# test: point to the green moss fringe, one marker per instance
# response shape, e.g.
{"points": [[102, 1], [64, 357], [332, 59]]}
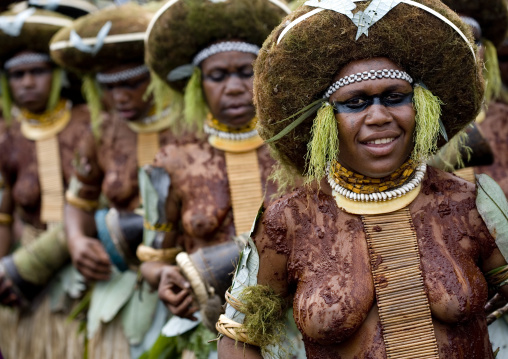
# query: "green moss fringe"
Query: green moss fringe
{"points": [[195, 340], [6, 98], [449, 158], [91, 92], [324, 144], [491, 72], [264, 317], [56, 88], [163, 95], [428, 113], [195, 109]]}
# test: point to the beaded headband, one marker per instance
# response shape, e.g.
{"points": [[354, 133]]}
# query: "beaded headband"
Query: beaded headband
{"points": [[26, 59], [121, 75], [472, 22], [367, 75], [224, 47], [185, 71]]}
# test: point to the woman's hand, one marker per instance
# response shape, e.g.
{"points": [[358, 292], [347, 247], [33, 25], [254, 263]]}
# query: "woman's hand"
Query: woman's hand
{"points": [[7, 295], [90, 258], [175, 291]]}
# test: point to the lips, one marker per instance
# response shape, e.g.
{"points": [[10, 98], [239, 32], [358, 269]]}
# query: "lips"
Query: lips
{"points": [[381, 141], [237, 109], [126, 114], [381, 144]]}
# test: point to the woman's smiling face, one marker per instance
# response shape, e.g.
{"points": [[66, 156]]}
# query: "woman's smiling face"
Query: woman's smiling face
{"points": [[376, 120]]}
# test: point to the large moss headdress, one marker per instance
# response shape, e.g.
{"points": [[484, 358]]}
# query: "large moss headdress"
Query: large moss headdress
{"points": [[425, 38], [182, 28], [101, 41], [28, 30]]}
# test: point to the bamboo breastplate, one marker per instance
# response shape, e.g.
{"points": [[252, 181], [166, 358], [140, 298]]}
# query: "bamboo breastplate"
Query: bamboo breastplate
{"points": [[403, 305]]}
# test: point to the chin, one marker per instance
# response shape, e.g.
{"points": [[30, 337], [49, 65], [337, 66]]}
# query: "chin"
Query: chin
{"points": [[237, 122]]}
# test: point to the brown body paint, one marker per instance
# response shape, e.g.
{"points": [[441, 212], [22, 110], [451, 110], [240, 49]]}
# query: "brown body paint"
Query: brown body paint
{"points": [[321, 258]]}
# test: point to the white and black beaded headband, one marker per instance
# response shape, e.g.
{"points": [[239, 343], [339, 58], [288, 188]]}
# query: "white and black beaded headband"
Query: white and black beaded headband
{"points": [[185, 71], [367, 75], [26, 59], [472, 22], [224, 47], [121, 75]]}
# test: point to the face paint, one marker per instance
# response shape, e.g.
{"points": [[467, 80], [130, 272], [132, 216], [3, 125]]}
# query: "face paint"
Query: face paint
{"points": [[360, 103]]}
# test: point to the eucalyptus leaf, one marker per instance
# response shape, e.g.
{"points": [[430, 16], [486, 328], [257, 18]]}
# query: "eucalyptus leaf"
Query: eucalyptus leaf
{"points": [[138, 314], [246, 275], [493, 208], [108, 298]]}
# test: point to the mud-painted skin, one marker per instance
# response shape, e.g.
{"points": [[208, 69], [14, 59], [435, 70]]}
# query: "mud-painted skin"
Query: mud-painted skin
{"points": [[199, 201], [495, 130], [108, 165], [19, 168], [312, 250]]}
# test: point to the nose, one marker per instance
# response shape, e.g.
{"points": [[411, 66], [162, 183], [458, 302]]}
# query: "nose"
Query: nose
{"points": [[235, 85], [28, 80], [378, 115], [120, 95]]}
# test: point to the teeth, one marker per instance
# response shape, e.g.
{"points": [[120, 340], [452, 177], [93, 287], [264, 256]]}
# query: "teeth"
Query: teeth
{"points": [[380, 141]]}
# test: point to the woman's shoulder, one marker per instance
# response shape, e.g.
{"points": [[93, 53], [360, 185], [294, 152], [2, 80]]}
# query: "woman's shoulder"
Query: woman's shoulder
{"points": [[178, 156], [80, 113], [440, 183]]}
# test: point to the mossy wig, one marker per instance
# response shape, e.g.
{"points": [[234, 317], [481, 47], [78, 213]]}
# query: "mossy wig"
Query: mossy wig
{"points": [[182, 28], [297, 71]]}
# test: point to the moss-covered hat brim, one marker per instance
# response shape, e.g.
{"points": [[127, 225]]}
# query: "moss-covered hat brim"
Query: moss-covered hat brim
{"points": [[124, 42], [34, 35], [297, 71], [71, 8]]}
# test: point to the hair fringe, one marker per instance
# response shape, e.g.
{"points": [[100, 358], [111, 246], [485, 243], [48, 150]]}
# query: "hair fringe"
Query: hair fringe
{"points": [[450, 156], [324, 144], [195, 108], [91, 92], [428, 113], [6, 98], [56, 88], [491, 73]]}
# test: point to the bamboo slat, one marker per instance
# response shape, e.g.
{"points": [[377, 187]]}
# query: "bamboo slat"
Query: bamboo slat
{"points": [[147, 147], [245, 188], [403, 305], [467, 174], [50, 179]]}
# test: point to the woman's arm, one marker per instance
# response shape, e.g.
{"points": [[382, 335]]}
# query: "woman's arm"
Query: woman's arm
{"points": [[272, 273], [87, 253]]}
